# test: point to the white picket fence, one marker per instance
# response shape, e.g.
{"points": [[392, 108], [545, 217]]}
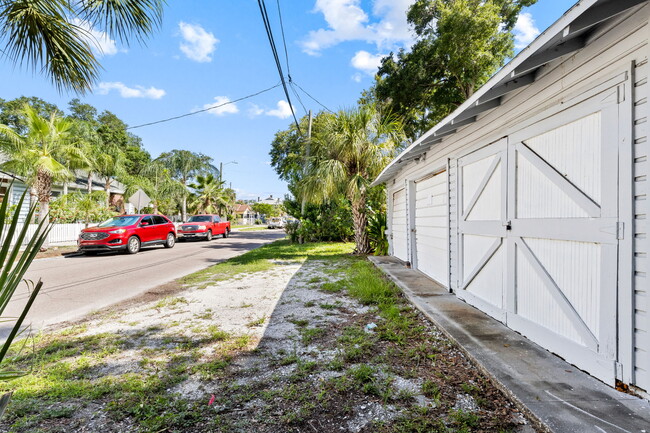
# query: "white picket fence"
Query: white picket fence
{"points": [[61, 234]]}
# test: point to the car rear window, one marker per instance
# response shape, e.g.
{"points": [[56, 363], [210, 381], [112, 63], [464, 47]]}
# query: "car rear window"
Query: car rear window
{"points": [[199, 219], [157, 219], [121, 221]]}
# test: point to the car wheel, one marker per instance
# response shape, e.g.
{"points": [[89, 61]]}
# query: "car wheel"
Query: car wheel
{"points": [[133, 245], [226, 233], [208, 235], [171, 240]]}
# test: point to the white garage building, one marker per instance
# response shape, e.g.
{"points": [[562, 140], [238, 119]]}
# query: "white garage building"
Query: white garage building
{"points": [[530, 200]]}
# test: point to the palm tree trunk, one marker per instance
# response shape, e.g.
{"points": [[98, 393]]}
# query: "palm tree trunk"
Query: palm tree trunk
{"points": [[44, 190], [65, 188], [184, 208], [89, 185], [107, 188], [360, 221]]}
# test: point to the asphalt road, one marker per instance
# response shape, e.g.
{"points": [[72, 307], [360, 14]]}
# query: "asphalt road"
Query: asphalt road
{"points": [[77, 285]]}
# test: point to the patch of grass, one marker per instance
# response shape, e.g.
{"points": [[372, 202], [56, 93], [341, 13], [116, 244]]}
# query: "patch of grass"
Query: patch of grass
{"points": [[256, 322], [170, 302], [244, 305], [334, 286], [301, 323], [315, 280], [309, 304], [310, 334], [430, 390], [263, 258]]}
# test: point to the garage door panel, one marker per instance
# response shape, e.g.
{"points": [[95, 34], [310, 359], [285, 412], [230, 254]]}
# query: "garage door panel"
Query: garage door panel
{"points": [[398, 227], [431, 227], [489, 276]]}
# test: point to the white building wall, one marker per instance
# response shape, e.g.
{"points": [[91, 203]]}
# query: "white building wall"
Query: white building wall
{"points": [[641, 296], [609, 54]]}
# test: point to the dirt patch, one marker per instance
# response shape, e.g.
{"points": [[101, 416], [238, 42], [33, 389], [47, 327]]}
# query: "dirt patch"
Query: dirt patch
{"points": [[283, 350], [57, 252]]}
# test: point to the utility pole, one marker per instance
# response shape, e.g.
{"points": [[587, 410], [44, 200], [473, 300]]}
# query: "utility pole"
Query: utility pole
{"points": [[307, 145], [302, 206], [220, 171]]}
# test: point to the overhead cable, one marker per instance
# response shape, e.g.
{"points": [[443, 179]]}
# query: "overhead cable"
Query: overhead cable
{"points": [[316, 100], [205, 109], [269, 34]]}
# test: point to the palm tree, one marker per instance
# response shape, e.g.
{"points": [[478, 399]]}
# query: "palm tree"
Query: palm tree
{"points": [[39, 154], [108, 161], [185, 165], [210, 195], [349, 150], [157, 182], [52, 35]]}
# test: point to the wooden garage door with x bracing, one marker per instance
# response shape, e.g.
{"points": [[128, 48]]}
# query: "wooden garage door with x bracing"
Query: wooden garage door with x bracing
{"points": [[398, 225], [539, 234]]}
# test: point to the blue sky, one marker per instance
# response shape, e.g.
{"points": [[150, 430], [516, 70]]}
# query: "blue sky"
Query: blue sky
{"points": [[214, 51]]}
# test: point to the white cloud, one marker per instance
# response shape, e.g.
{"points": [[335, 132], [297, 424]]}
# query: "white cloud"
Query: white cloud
{"points": [[347, 21], [222, 106], [357, 77], [525, 30], [255, 110], [282, 111], [366, 62], [130, 92], [100, 43], [199, 44]]}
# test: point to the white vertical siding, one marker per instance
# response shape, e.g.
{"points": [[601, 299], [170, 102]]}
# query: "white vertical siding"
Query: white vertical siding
{"points": [[641, 301], [398, 226], [17, 191], [453, 222], [431, 233]]}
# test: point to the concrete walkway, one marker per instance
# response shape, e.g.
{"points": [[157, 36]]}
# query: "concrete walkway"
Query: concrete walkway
{"points": [[561, 397]]}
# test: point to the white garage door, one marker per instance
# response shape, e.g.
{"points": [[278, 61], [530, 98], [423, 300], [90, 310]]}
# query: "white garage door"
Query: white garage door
{"points": [[538, 235], [398, 225], [431, 232]]}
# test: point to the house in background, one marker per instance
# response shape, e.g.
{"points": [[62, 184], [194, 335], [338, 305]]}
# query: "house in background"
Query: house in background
{"points": [[245, 214], [14, 191], [529, 201]]}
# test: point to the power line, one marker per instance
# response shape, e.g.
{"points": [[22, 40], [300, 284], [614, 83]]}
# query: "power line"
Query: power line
{"points": [[284, 41], [316, 100], [295, 92], [269, 34], [203, 110]]}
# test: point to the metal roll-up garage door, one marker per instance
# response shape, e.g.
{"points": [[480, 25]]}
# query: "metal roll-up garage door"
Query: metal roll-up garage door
{"points": [[431, 231], [398, 225]]}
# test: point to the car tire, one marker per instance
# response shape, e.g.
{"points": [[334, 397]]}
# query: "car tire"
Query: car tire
{"points": [[226, 233], [208, 235], [170, 241], [133, 245]]}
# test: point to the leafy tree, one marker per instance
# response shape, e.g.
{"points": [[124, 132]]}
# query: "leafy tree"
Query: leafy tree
{"points": [[38, 154], [44, 35], [12, 112], [461, 44], [82, 111], [349, 150], [113, 131], [185, 165], [265, 209], [163, 190]]}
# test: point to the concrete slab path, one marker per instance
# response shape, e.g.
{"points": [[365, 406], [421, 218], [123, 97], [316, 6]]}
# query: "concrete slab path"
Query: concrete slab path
{"points": [[563, 398]]}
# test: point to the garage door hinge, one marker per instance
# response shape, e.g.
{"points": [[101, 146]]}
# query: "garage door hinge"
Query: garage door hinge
{"points": [[620, 230]]}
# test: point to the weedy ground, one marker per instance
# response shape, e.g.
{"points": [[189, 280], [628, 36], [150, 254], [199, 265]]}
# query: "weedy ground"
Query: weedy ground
{"points": [[285, 338]]}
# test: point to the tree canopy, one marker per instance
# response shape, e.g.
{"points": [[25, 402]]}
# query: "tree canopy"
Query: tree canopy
{"points": [[460, 45]]}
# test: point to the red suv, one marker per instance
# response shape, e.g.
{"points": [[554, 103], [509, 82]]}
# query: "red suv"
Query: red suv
{"points": [[129, 233]]}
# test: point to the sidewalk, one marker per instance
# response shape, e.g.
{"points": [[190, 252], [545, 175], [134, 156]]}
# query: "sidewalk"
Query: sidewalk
{"points": [[560, 396]]}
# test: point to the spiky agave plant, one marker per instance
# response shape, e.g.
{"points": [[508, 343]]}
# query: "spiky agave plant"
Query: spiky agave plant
{"points": [[14, 262]]}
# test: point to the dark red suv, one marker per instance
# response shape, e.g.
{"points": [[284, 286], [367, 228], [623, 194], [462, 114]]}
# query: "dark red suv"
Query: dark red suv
{"points": [[129, 233]]}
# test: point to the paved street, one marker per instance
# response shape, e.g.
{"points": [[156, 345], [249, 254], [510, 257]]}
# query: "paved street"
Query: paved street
{"points": [[77, 285]]}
